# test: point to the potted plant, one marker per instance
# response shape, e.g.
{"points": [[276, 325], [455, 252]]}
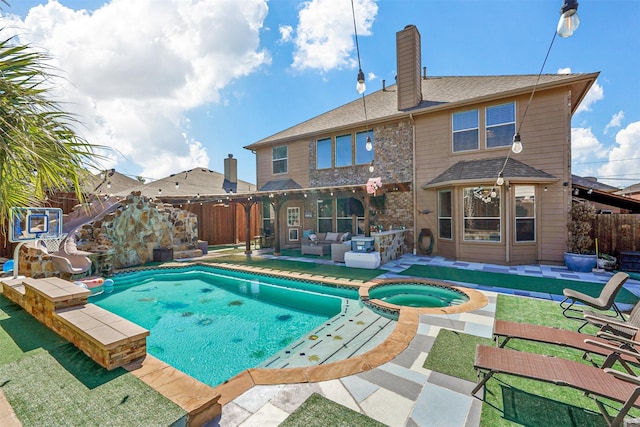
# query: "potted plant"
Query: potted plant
{"points": [[580, 256], [607, 262]]}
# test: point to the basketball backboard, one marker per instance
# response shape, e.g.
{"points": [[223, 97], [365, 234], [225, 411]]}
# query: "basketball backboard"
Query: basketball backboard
{"points": [[34, 223]]}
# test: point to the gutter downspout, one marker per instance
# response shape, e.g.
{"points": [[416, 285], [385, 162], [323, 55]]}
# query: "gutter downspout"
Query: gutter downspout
{"points": [[415, 188]]}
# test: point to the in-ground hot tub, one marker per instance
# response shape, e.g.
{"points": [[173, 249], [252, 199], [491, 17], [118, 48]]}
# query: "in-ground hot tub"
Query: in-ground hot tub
{"points": [[428, 296]]}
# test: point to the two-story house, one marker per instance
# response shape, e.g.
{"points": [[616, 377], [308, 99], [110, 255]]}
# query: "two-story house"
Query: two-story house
{"points": [[442, 147]]}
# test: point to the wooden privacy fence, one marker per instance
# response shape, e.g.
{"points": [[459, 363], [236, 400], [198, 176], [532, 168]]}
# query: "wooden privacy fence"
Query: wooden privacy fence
{"points": [[617, 233]]}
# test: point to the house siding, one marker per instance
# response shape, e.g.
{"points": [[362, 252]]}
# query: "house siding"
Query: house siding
{"points": [[548, 118]]}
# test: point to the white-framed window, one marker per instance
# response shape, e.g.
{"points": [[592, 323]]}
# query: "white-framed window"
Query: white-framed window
{"points": [[445, 220], [465, 130], [500, 123], [279, 156], [268, 215], [325, 216], [323, 153], [293, 235], [525, 215], [344, 150], [293, 217], [481, 214], [364, 156]]}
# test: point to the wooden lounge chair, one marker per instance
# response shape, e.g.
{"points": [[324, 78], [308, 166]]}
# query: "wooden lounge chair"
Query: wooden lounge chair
{"points": [[605, 301], [606, 382], [504, 331]]}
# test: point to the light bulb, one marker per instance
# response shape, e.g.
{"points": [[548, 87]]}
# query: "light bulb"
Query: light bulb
{"points": [[369, 144], [517, 144], [360, 86], [371, 167], [493, 193], [569, 19], [500, 179], [109, 184], [177, 185]]}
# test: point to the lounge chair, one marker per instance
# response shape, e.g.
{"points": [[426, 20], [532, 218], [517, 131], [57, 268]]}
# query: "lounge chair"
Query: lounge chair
{"points": [[605, 382], [607, 324], [605, 301], [504, 331]]}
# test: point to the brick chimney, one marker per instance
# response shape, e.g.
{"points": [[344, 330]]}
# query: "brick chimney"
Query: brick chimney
{"points": [[231, 169], [408, 66]]}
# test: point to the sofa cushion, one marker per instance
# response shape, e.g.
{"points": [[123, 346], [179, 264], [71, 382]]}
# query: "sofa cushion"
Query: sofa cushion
{"points": [[332, 237]]}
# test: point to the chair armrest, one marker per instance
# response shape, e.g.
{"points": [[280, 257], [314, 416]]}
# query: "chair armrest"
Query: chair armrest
{"points": [[618, 338], [623, 376], [600, 321], [612, 348]]}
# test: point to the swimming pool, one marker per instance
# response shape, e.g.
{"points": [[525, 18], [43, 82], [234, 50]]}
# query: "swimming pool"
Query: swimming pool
{"points": [[213, 324]]}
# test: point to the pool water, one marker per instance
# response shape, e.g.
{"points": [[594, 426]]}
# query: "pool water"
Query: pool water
{"points": [[212, 325], [418, 295]]}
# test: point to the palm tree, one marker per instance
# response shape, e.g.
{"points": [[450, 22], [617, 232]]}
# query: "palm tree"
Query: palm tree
{"points": [[39, 148]]}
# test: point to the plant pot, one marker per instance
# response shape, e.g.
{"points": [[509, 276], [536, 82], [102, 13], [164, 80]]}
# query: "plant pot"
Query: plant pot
{"points": [[582, 263]]}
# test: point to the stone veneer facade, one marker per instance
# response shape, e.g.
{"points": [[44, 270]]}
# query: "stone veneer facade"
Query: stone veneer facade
{"points": [[393, 154]]}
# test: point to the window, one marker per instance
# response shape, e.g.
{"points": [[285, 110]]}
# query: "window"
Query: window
{"points": [[444, 214], [267, 219], [280, 160], [323, 153], [293, 217], [501, 125], [346, 210], [525, 213], [465, 130], [343, 150], [481, 215], [325, 216], [363, 157]]}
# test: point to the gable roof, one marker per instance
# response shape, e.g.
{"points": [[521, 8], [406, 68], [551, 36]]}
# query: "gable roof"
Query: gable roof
{"points": [[484, 169], [281, 184], [438, 93], [202, 181], [593, 183]]}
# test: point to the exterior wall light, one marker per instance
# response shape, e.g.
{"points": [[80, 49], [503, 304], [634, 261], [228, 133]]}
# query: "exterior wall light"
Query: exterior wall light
{"points": [[569, 20]]}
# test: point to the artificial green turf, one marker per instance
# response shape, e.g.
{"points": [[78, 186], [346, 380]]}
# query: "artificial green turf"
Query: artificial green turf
{"points": [[318, 411], [514, 281], [509, 400], [452, 354], [326, 270], [50, 382]]}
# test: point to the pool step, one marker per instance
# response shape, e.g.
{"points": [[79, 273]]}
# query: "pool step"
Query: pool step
{"points": [[355, 331]]}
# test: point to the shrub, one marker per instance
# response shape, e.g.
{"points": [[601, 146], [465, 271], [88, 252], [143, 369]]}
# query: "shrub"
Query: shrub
{"points": [[581, 216]]}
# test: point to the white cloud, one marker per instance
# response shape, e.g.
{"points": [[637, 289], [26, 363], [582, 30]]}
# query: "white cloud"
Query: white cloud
{"points": [[615, 121], [595, 94], [623, 168], [587, 152], [564, 71], [324, 35], [286, 32], [133, 70]]}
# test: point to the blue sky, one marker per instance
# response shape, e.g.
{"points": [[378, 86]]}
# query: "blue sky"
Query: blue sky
{"points": [[171, 85]]}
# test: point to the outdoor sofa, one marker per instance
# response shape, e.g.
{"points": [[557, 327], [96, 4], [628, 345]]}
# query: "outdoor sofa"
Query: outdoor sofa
{"points": [[320, 243]]}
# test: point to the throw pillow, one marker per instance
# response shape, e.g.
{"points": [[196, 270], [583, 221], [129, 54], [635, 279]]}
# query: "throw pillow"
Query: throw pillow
{"points": [[346, 236], [313, 237], [332, 236]]}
